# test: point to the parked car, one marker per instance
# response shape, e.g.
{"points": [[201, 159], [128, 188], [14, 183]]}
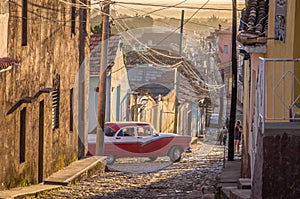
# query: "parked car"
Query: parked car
{"points": [[138, 139]]}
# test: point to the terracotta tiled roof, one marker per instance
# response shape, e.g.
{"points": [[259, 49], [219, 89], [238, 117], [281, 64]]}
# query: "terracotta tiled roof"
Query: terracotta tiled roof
{"points": [[254, 23], [7, 62], [136, 57], [95, 47]]}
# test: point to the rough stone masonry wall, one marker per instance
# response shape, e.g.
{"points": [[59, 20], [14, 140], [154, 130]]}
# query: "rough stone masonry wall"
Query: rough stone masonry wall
{"points": [[51, 50], [277, 165]]}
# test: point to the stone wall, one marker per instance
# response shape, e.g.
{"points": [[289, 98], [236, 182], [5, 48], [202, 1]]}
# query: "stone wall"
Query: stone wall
{"points": [[277, 163], [52, 50]]}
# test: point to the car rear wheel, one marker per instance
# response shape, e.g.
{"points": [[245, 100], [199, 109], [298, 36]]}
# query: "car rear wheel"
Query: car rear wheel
{"points": [[110, 159], [175, 154], [152, 159]]}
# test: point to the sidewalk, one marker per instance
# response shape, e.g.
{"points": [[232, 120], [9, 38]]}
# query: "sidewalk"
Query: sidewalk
{"points": [[76, 171], [71, 174], [231, 184]]}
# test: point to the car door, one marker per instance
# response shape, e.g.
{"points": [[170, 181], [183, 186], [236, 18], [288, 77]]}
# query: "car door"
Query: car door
{"points": [[145, 138], [125, 142]]}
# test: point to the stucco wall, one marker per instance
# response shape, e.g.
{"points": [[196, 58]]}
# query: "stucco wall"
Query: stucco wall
{"points": [[277, 165], [287, 49], [119, 79], [277, 48], [224, 39], [93, 103], [51, 50]]}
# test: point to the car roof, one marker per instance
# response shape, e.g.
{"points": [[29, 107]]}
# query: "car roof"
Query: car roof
{"points": [[118, 125]]}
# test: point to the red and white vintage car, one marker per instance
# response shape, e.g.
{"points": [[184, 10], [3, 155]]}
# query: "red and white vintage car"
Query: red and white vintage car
{"points": [[139, 139]]}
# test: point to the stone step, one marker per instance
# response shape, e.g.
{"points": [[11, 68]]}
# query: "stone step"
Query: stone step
{"points": [[240, 194], [77, 171], [27, 192], [225, 192], [244, 183], [234, 193]]}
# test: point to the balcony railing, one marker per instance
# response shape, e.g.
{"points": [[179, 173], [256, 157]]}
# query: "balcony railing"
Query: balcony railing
{"points": [[277, 96]]}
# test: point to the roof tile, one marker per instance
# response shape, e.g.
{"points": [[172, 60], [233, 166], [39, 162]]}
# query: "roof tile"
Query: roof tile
{"points": [[254, 23]]}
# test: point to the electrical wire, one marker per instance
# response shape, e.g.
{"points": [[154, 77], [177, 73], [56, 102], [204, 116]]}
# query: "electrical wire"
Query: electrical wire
{"points": [[184, 22], [146, 47], [153, 11], [80, 5], [43, 18], [177, 65], [159, 21], [140, 10], [187, 67], [168, 6], [144, 57]]}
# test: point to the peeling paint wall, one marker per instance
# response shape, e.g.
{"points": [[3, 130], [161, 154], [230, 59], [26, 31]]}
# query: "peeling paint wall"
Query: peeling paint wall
{"points": [[51, 50]]}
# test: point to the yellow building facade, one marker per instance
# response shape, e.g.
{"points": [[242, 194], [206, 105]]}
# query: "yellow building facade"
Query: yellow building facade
{"points": [[282, 77]]}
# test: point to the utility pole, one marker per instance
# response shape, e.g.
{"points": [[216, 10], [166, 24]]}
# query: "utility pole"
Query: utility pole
{"points": [[177, 74], [234, 86], [181, 32], [102, 79]]}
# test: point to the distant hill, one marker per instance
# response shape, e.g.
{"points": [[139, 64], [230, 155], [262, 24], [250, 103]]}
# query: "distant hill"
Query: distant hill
{"points": [[170, 18]]}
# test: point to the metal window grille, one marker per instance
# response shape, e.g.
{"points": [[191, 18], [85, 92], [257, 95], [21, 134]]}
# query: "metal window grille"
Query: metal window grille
{"points": [[55, 109]]}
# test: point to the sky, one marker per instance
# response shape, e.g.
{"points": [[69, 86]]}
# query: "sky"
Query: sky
{"points": [[172, 12]]}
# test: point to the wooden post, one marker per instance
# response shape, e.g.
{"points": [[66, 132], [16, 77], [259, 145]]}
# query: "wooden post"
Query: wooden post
{"points": [[102, 80]]}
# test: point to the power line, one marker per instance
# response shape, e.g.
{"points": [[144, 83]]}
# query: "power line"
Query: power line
{"points": [[190, 71], [169, 6], [144, 57], [157, 21], [150, 12], [184, 22], [77, 5], [162, 54], [146, 13], [188, 68]]}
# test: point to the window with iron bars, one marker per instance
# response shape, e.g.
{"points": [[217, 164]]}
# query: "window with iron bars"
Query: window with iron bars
{"points": [[55, 109]]}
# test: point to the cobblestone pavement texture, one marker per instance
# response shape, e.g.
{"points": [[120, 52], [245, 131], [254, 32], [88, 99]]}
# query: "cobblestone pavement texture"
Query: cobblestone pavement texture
{"points": [[184, 179]]}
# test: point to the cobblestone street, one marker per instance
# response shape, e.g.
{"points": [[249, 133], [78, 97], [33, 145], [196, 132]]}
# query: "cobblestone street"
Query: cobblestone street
{"points": [[178, 180]]}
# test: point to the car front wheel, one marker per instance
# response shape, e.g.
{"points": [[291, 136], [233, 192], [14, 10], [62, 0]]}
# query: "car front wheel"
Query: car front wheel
{"points": [[175, 154]]}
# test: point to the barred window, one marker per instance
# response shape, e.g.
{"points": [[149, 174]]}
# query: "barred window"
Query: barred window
{"points": [[55, 101], [55, 109]]}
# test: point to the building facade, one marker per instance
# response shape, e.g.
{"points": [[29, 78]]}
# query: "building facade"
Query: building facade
{"points": [[272, 123], [43, 98]]}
